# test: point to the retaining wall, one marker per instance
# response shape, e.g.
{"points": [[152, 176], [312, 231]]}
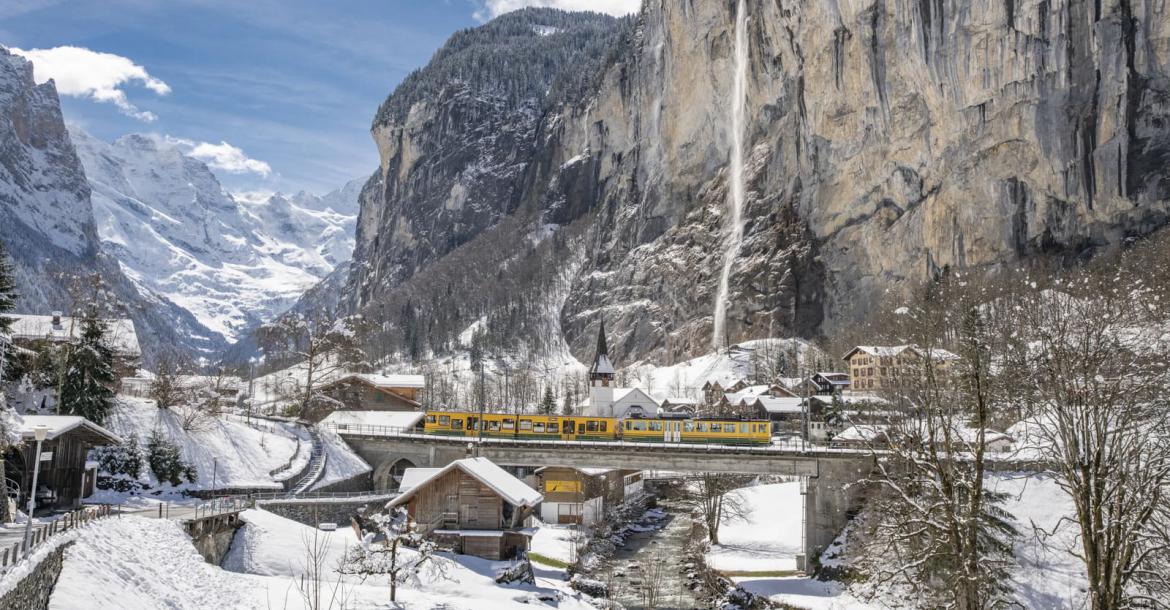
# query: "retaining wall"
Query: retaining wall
{"points": [[34, 590], [212, 536], [315, 513]]}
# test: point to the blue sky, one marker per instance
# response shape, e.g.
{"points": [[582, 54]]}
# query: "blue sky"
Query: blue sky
{"points": [[280, 91]]}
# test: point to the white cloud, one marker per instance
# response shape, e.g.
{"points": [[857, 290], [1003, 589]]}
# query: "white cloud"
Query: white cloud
{"points": [[224, 156], [490, 9], [81, 72]]}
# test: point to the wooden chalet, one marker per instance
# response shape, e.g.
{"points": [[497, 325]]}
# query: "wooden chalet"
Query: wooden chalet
{"points": [[35, 332], [65, 477], [367, 392], [471, 506]]}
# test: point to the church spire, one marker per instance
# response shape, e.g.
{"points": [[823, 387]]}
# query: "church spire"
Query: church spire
{"points": [[602, 369]]}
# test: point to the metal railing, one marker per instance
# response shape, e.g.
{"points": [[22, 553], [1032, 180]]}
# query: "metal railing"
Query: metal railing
{"points": [[13, 555], [322, 495], [221, 506]]}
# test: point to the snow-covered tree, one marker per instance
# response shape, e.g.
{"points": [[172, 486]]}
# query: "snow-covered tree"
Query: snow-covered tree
{"points": [[548, 405], [401, 555], [9, 421], [87, 387]]}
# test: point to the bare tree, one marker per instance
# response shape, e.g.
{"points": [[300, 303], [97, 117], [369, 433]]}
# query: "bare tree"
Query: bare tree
{"points": [[313, 584], [166, 389], [1096, 358], [320, 343], [716, 500]]}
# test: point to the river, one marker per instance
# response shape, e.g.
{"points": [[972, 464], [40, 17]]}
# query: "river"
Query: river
{"points": [[648, 572]]}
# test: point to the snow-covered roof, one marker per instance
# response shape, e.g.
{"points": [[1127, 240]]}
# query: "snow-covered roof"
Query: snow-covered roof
{"points": [[511, 489], [411, 477], [861, 433], [119, 336], [393, 381], [58, 425], [897, 350], [680, 400], [602, 365], [620, 394], [390, 419], [784, 404]]}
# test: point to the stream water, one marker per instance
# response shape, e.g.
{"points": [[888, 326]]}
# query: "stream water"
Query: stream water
{"points": [[648, 572]]}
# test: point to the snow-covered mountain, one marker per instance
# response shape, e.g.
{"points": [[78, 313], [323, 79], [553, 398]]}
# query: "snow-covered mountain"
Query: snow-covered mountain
{"points": [[230, 261]]}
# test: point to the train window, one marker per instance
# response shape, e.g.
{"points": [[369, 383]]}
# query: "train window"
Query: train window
{"points": [[629, 425], [701, 427], [639, 425], [509, 424], [554, 427], [743, 428], [526, 424], [602, 427], [539, 427], [444, 420], [430, 419], [689, 426], [656, 426], [494, 425], [591, 426], [570, 427], [717, 427], [457, 424]]}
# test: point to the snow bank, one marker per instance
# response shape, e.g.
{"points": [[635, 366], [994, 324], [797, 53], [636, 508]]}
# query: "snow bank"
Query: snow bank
{"points": [[769, 539], [270, 545], [233, 454]]}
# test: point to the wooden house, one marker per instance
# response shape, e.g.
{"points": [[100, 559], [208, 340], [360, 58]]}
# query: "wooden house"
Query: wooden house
{"points": [[713, 391], [472, 506], [35, 332], [65, 476], [826, 383], [366, 392], [579, 495]]}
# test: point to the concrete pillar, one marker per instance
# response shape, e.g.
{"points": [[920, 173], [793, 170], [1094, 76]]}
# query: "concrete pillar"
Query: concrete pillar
{"points": [[830, 499]]}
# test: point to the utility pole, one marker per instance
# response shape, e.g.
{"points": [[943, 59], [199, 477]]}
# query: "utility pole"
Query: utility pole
{"points": [[39, 432], [482, 406]]}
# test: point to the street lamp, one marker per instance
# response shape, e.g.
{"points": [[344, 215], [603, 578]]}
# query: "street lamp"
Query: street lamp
{"points": [[39, 433]]}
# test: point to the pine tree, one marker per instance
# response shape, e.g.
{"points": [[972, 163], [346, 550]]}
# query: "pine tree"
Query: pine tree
{"points": [[88, 387], [548, 406], [7, 291]]}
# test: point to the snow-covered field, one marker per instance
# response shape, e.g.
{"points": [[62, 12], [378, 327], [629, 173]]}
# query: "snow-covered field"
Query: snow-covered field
{"points": [[769, 539], [225, 453], [341, 462], [1047, 577]]}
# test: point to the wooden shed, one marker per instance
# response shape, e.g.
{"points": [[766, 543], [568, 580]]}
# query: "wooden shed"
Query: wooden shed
{"points": [[471, 505], [63, 480]]}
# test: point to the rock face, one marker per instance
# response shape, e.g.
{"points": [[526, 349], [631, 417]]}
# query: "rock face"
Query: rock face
{"points": [[47, 221], [885, 141]]}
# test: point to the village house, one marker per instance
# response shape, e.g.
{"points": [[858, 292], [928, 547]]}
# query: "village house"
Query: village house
{"points": [[828, 383], [369, 392], [680, 405], [890, 367], [604, 399], [740, 402], [471, 506], [713, 390], [65, 476], [579, 495], [34, 332]]}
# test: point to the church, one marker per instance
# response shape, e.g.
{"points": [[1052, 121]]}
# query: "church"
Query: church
{"points": [[605, 400]]}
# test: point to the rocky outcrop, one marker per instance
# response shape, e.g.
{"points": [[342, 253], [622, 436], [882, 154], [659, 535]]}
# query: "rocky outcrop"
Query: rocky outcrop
{"points": [[885, 142], [47, 221]]}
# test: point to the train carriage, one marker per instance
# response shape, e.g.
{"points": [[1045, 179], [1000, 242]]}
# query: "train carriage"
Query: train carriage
{"points": [[504, 425], [723, 432]]}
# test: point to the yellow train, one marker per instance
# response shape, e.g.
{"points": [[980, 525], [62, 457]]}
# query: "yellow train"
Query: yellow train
{"points": [[584, 428]]}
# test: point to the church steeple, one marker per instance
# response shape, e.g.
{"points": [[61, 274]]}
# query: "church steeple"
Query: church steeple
{"points": [[602, 370]]}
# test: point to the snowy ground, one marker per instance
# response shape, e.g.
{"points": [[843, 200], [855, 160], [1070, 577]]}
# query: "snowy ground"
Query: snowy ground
{"points": [[556, 541], [226, 454], [133, 563], [341, 462], [769, 539], [1048, 576]]}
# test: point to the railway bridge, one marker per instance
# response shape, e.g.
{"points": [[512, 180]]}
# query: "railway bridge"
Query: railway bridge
{"points": [[831, 477]]}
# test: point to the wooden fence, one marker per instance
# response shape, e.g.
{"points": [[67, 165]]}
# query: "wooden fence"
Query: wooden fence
{"points": [[12, 555]]}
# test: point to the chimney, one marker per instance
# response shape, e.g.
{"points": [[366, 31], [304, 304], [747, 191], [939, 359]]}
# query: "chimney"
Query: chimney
{"points": [[56, 318]]}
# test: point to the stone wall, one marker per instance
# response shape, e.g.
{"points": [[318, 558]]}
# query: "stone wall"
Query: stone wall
{"points": [[212, 536], [34, 590], [361, 482], [314, 513]]}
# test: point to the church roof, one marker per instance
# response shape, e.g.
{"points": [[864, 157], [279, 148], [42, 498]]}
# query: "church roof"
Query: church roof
{"points": [[601, 362]]}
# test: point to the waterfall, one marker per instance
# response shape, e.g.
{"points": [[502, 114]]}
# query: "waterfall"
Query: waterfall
{"points": [[733, 225]]}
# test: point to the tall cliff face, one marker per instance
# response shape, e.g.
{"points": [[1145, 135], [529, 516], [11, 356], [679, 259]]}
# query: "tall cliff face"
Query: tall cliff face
{"points": [[47, 220], [885, 140]]}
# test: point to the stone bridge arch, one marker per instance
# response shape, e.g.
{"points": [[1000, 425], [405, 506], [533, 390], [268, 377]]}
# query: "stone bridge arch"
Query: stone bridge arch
{"points": [[388, 474]]}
